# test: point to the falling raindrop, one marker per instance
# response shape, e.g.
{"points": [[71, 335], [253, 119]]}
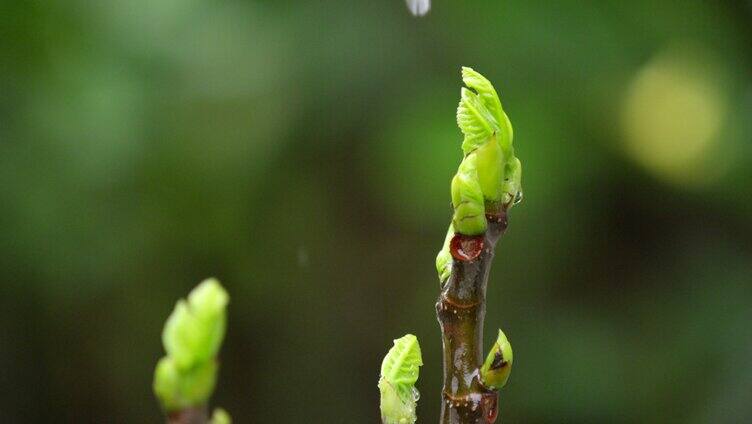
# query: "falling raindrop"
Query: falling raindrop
{"points": [[419, 7]]}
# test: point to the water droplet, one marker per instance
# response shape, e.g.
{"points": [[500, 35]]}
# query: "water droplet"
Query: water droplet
{"points": [[518, 197], [419, 7], [416, 394]]}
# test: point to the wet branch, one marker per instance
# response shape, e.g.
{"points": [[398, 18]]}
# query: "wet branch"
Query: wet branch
{"points": [[461, 309]]}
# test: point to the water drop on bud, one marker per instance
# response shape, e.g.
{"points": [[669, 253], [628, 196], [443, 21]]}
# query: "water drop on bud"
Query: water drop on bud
{"points": [[518, 197]]}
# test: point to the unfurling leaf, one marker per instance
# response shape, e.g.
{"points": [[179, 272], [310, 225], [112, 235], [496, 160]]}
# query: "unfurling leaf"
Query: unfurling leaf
{"points": [[475, 121], [399, 372], [488, 97], [488, 180]]}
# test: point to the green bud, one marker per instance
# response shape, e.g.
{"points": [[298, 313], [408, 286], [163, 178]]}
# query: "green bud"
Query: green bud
{"points": [[194, 331], [192, 337], [178, 389], [399, 372], [489, 174], [167, 384], [489, 166], [220, 416], [444, 259], [467, 198], [511, 186], [498, 364]]}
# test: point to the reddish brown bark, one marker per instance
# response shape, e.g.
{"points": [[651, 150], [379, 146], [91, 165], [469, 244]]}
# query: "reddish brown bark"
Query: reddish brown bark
{"points": [[461, 309]]}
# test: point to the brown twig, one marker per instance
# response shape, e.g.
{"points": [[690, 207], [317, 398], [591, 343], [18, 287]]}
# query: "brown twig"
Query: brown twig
{"points": [[461, 309]]}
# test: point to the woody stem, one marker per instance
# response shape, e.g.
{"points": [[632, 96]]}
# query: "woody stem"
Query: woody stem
{"points": [[461, 309]]}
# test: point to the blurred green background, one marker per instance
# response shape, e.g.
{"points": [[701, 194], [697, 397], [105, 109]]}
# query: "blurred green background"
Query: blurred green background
{"points": [[301, 151]]}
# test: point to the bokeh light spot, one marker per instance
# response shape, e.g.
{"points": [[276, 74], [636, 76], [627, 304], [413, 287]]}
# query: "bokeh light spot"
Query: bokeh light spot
{"points": [[673, 115]]}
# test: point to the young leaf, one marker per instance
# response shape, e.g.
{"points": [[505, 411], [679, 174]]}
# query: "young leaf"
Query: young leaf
{"points": [[399, 372], [486, 91], [489, 98], [475, 121]]}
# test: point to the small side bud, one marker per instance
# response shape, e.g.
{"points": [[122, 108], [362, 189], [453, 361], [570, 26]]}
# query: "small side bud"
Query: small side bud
{"points": [[498, 364], [220, 416], [399, 373], [444, 258]]}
